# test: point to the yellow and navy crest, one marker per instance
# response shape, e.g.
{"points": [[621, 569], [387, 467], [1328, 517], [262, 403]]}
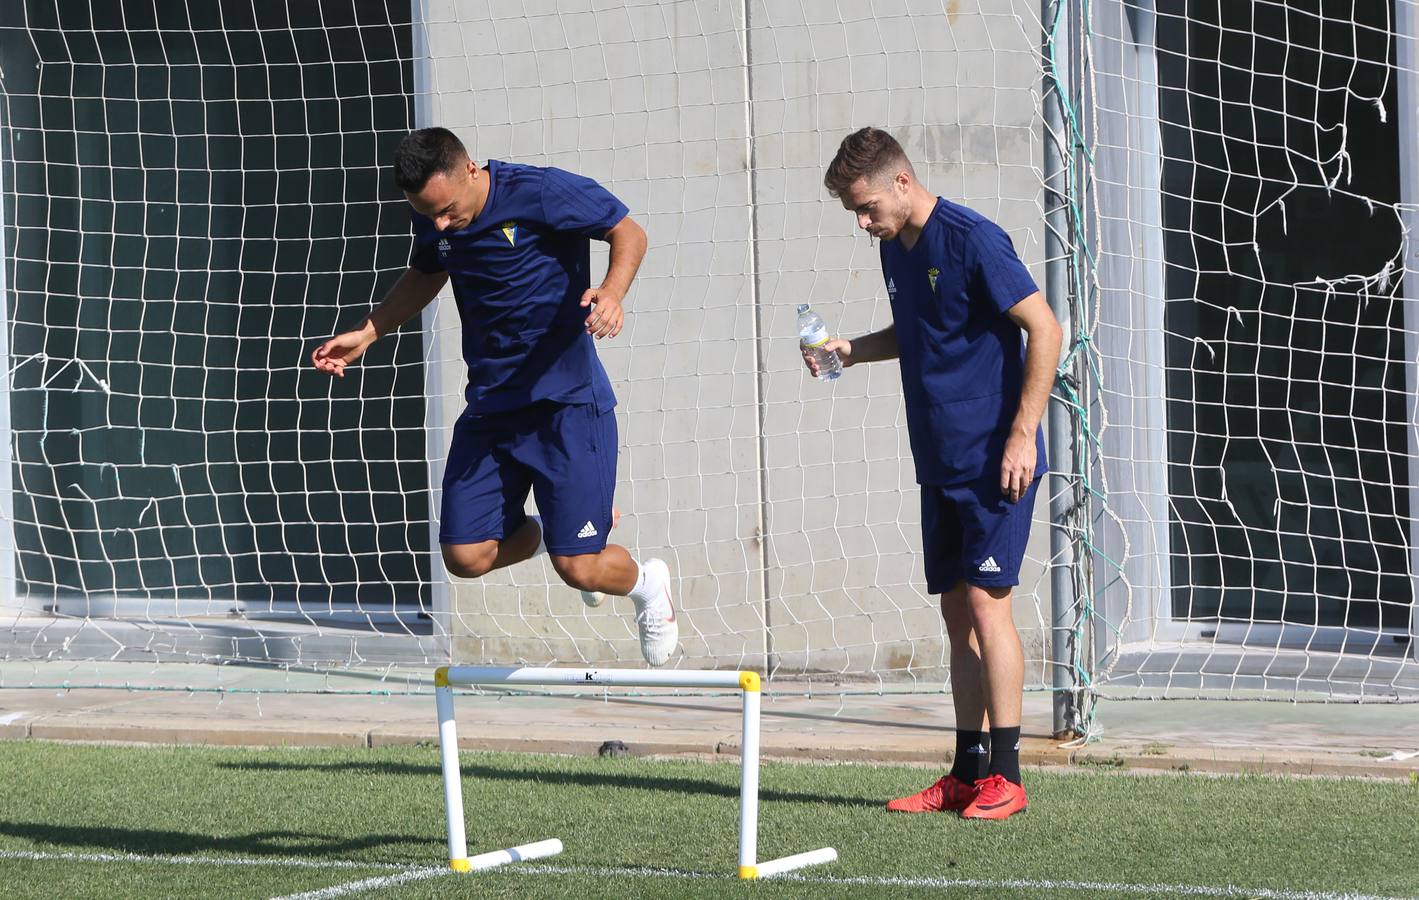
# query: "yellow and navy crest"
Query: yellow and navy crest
{"points": [[510, 232], [931, 274]]}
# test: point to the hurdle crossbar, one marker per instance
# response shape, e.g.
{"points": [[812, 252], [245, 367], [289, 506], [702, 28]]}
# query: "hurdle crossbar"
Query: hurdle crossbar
{"points": [[747, 682]]}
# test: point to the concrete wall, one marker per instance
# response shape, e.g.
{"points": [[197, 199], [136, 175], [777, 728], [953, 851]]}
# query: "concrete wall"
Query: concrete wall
{"points": [[786, 507]]}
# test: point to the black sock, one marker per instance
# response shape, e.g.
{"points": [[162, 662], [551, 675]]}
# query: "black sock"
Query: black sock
{"points": [[1005, 753], [972, 756]]}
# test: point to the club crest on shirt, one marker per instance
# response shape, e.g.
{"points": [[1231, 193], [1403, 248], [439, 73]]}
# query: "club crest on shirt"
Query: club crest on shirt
{"points": [[931, 274], [510, 232]]}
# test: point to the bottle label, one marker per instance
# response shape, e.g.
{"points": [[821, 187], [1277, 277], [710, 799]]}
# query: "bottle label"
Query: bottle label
{"points": [[815, 339]]}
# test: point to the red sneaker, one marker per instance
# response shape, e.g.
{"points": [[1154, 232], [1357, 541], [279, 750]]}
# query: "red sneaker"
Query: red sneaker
{"points": [[996, 799], [948, 793]]}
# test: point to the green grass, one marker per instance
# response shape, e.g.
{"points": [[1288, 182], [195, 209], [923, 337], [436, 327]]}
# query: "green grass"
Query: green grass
{"points": [[384, 808]]}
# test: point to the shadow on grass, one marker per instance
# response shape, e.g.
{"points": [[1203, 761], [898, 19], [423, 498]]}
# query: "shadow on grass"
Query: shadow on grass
{"points": [[153, 842], [571, 779]]}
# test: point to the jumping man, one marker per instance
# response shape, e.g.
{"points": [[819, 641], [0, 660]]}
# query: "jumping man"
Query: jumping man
{"points": [[515, 240]]}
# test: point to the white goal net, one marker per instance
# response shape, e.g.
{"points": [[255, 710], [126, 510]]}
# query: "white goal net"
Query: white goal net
{"points": [[196, 194], [1253, 166]]}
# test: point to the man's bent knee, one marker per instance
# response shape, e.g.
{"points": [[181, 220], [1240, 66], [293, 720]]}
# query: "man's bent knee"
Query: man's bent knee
{"points": [[470, 560], [579, 571]]}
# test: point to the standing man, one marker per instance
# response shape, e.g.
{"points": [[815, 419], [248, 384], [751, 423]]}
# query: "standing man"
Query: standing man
{"points": [[515, 240], [974, 398]]}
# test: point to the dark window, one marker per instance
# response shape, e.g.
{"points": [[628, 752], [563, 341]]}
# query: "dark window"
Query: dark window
{"points": [[194, 194], [1285, 350]]}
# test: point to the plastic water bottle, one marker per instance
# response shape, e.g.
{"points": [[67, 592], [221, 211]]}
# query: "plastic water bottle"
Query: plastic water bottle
{"points": [[813, 334]]}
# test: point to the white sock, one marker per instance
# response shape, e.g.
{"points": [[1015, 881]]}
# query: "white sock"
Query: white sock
{"points": [[644, 590], [541, 536]]}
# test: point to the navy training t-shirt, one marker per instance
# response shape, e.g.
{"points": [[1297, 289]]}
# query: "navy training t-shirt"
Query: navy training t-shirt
{"points": [[519, 270], [962, 358]]}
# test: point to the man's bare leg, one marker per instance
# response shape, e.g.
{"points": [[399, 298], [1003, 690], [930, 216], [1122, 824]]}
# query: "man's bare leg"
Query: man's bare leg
{"points": [[613, 571], [1002, 657], [596, 598], [967, 688], [957, 790], [1001, 794], [967, 684], [477, 560]]}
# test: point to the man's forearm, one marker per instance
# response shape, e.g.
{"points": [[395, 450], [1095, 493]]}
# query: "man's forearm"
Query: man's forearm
{"points": [[628, 245], [878, 345], [1041, 363], [411, 293]]}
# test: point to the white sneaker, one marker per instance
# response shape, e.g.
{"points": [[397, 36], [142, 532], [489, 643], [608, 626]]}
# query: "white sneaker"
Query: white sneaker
{"points": [[593, 598], [655, 618]]}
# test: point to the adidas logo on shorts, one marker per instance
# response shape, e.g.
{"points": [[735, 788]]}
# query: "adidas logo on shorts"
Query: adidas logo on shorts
{"points": [[587, 530], [990, 565]]}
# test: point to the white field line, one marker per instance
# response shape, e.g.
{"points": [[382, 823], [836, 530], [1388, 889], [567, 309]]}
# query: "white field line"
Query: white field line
{"points": [[1043, 885], [369, 884], [405, 872], [1050, 885]]}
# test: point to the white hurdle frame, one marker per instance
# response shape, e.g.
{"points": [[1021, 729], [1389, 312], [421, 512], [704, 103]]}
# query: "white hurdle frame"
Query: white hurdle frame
{"points": [[747, 682]]}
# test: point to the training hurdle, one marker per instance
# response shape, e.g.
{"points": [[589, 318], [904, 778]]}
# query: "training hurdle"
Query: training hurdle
{"points": [[446, 677]]}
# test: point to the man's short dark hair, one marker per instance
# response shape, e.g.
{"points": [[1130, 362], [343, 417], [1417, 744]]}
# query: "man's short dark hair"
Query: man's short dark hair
{"points": [[423, 154], [866, 153]]}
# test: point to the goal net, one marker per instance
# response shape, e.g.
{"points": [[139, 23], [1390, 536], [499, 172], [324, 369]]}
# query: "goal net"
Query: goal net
{"points": [[1253, 166], [195, 195]]}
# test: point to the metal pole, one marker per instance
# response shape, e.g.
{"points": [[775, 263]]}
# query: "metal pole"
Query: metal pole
{"points": [[761, 454], [435, 441], [10, 593], [1406, 44], [1060, 422]]}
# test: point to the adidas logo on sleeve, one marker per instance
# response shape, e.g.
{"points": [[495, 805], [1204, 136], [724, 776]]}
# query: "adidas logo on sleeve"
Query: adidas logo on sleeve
{"points": [[587, 530], [990, 565]]}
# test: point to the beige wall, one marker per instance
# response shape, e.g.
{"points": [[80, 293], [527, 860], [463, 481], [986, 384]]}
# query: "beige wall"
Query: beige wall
{"points": [[650, 99]]}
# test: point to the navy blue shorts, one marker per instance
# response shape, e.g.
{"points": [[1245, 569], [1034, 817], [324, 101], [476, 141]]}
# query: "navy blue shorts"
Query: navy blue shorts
{"points": [[566, 455], [971, 533]]}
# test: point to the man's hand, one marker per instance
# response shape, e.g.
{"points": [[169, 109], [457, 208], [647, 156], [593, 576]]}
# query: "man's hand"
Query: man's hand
{"points": [[340, 351], [1017, 466], [606, 319], [842, 347]]}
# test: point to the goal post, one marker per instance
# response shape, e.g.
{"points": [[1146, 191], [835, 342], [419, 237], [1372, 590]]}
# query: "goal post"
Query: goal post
{"points": [[748, 683], [1407, 66]]}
